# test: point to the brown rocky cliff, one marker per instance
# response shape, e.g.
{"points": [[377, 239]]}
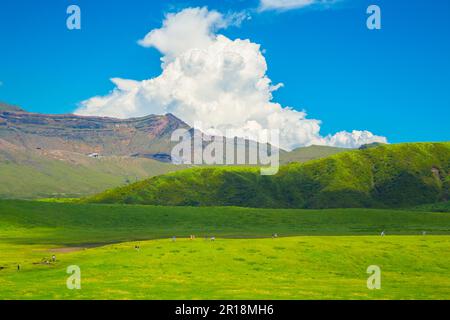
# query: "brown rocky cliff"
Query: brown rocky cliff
{"points": [[108, 136]]}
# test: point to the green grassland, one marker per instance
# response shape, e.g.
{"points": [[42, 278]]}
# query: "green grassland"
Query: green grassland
{"points": [[310, 267], [435, 207], [320, 254], [386, 176], [72, 224]]}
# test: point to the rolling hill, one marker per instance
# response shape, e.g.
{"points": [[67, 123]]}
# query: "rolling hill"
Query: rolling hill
{"points": [[45, 155], [384, 176], [30, 174]]}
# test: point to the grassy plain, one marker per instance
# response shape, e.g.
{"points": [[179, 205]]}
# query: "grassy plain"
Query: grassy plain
{"points": [[320, 254]]}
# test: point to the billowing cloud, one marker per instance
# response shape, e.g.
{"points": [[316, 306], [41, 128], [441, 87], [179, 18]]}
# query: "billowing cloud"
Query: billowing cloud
{"points": [[282, 5], [352, 139], [188, 29], [209, 78], [191, 28]]}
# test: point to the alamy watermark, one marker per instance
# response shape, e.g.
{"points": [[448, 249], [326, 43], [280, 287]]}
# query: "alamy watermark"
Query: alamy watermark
{"points": [[374, 20], [232, 147], [74, 280], [73, 21], [374, 281]]}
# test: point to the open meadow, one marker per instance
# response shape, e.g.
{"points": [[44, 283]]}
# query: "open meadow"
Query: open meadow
{"points": [[319, 254]]}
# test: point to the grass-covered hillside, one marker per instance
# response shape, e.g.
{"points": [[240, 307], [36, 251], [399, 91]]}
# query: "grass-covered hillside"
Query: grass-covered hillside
{"points": [[385, 176], [34, 174]]}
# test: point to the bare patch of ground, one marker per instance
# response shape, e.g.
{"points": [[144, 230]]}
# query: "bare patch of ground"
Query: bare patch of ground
{"points": [[66, 249]]}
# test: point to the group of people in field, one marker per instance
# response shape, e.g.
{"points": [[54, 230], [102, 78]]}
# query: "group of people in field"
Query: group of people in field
{"points": [[383, 233], [274, 236], [44, 261], [191, 237]]}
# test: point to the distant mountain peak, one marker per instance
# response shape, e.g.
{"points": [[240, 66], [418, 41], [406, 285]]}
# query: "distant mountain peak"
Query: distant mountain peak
{"points": [[10, 108], [175, 119]]}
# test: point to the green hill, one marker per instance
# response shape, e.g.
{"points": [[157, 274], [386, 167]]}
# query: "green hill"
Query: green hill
{"points": [[309, 153], [385, 176], [44, 155], [31, 174], [34, 174]]}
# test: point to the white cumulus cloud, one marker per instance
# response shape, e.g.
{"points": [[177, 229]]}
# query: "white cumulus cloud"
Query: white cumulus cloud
{"points": [[220, 82], [353, 139]]}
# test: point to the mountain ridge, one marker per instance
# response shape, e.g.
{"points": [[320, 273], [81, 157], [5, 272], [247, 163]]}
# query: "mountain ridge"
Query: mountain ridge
{"points": [[59, 155], [83, 134]]}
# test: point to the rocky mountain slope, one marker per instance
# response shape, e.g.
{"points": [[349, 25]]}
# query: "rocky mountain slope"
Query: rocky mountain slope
{"points": [[71, 156], [106, 136]]}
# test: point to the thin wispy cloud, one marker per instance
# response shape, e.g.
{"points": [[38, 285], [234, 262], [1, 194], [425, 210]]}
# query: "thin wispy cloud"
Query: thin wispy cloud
{"points": [[284, 5]]}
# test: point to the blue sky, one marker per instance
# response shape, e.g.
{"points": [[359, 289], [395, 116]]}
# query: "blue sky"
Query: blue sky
{"points": [[394, 82]]}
